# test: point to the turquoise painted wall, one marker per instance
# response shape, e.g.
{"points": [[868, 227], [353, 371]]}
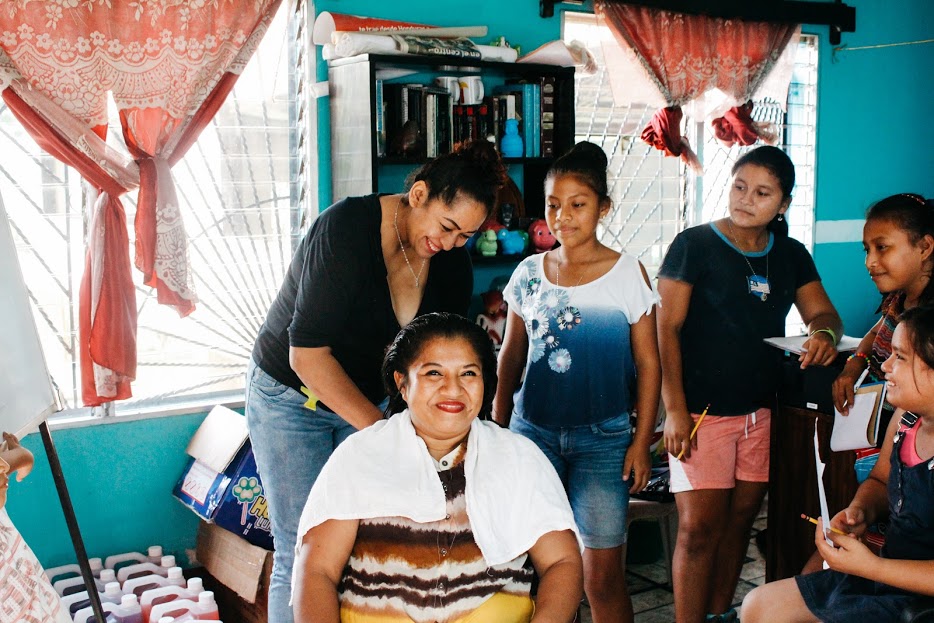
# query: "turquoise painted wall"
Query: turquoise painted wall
{"points": [[121, 474], [873, 136], [120, 477]]}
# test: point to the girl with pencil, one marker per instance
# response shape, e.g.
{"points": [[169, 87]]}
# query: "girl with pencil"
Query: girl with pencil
{"points": [[581, 325], [860, 585], [725, 286]]}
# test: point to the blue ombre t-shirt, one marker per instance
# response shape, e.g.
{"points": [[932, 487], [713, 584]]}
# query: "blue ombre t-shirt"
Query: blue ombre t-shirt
{"points": [[579, 368]]}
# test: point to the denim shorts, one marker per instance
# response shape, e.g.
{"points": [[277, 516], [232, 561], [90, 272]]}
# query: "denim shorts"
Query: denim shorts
{"points": [[291, 444], [589, 460]]}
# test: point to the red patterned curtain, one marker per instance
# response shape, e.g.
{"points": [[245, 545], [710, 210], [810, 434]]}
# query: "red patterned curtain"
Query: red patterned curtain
{"points": [[683, 58], [168, 65]]}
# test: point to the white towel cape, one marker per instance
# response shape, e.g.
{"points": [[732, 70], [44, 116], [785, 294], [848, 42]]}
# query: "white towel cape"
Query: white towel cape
{"points": [[513, 494]]}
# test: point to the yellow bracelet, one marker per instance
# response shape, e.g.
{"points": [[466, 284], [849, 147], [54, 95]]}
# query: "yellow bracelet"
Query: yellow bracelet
{"points": [[833, 336]]}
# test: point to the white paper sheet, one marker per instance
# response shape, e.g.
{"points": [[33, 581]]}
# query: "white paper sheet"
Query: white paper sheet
{"points": [[824, 511], [793, 343]]}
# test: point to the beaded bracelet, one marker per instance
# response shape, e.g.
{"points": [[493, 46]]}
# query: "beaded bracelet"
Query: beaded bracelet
{"points": [[859, 355], [829, 332]]}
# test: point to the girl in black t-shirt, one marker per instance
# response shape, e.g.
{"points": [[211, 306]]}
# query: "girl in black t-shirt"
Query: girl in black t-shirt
{"points": [[725, 286]]}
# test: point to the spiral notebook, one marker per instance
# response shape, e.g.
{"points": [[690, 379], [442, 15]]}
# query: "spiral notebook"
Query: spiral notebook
{"points": [[859, 429]]}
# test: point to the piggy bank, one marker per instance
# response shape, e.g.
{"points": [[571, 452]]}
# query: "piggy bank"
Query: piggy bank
{"points": [[511, 242], [540, 237]]}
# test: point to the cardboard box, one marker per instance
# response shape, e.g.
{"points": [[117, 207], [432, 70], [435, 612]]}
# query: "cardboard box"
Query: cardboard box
{"points": [[237, 572], [220, 482]]}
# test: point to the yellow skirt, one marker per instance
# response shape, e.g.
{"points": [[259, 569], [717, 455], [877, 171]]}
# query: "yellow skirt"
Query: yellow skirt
{"points": [[501, 607]]}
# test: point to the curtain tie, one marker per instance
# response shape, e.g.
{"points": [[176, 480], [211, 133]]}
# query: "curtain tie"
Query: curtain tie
{"points": [[664, 133], [736, 126]]}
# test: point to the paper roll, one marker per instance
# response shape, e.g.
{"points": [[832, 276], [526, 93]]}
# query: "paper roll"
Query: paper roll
{"points": [[353, 43], [497, 53]]}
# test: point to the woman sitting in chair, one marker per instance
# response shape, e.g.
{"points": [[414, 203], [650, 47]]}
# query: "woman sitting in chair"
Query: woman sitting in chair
{"points": [[433, 514]]}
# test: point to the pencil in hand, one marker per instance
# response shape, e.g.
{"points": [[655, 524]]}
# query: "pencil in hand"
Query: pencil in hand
{"points": [[694, 430], [831, 528]]}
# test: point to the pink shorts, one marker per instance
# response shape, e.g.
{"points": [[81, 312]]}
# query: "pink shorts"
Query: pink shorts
{"points": [[728, 449]]}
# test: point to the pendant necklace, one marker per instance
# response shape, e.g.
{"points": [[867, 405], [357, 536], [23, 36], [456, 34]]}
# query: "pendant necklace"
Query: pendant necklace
{"points": [[395, 224], [757, 285], [570, 289], [445, 545]]}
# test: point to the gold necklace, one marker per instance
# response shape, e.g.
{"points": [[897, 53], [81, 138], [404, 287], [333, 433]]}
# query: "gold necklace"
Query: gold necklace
{"points": [[558, 275], [395, 224]]}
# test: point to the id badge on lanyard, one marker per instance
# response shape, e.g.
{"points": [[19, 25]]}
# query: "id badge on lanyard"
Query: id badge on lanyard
{"points": [[759, 286]]}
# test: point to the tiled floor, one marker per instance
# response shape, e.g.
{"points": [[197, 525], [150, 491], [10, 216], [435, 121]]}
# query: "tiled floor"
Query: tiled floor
{"points": [[652, 598]]}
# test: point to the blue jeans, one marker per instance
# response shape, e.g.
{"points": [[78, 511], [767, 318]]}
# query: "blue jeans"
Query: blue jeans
{"points": [[589, 460], [291, 445]]}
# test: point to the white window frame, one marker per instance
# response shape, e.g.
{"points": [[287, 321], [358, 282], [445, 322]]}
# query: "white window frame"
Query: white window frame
{"points": [[656, 197], [62, 187]]}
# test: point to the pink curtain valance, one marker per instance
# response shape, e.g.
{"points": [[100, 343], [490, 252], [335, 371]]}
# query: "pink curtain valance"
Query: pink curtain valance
{"points": [[168, 66], [671, 60]]}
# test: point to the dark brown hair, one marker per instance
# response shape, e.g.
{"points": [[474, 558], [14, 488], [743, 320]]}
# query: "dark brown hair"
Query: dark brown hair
{"points": [[413, 337], [588, 162], [919, 323], [914, 215], [473, 168]]}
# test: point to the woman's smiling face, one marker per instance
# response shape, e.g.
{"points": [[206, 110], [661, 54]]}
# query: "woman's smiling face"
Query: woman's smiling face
{"points": [[436, 226], [443, 390]]}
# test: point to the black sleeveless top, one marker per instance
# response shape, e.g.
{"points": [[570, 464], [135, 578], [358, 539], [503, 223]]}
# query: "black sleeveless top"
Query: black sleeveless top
{"points": [[910, 533]]}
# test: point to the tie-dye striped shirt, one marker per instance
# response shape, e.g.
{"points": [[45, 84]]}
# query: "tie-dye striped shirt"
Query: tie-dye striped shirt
{"points": [[892, 307], [400, 570]]}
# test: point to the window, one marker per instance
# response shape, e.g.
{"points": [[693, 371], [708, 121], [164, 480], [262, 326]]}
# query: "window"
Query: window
{"points": [[654, 197], [240, 194]]}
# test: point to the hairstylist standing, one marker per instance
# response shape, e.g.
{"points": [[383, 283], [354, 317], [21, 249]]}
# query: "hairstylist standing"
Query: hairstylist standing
{"points": [[367, 267]]}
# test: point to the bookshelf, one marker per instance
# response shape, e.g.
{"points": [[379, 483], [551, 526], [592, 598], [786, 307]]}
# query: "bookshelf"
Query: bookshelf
{"points": [[357, 167]]}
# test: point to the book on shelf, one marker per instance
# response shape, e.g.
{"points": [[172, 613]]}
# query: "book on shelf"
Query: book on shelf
{"points": [[528, 112], [380, 110], [416, 120], [548, 85]]}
